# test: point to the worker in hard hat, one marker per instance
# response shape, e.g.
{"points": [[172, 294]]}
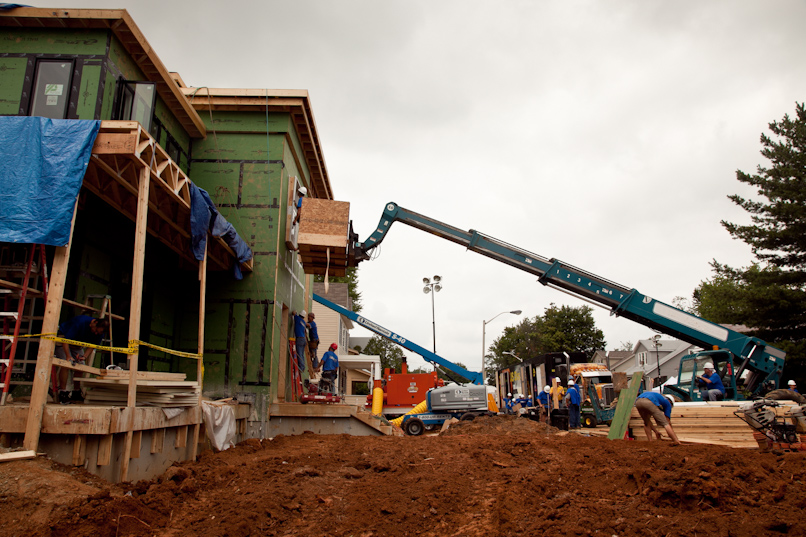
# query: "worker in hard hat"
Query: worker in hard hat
{"points": [[301, 337], [543, 399], [652, 405], [793, 386], [302, 191], [560, 390], [573, 400], [711, 386], [509, 402], [330, 366]]}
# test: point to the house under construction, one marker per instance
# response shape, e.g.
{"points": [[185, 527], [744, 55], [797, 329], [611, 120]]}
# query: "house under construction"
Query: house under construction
{"points": [[178, 226]]}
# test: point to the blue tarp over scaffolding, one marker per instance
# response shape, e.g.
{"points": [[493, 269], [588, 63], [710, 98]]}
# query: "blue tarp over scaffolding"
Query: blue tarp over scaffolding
{"points": [[42, 166]]}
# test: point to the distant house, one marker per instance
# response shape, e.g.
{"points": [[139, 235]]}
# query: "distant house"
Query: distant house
{"points": [[610, 358], [645, 357]]}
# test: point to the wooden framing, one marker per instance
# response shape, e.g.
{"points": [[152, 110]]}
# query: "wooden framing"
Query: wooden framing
{"points": [[323, 236]]}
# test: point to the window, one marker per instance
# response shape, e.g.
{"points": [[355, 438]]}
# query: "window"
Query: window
{"points": [[52, 88], [136, 102]]}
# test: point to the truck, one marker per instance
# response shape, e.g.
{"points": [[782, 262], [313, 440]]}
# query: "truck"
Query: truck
{"points": [[529, 376], [749, 365]]}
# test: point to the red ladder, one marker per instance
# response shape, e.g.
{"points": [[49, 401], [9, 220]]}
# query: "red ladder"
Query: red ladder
{"points": [[296, 375], [9, 350]]}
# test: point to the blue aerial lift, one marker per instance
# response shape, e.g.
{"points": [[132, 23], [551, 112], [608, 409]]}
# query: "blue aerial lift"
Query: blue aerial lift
{"points": [[737, 356]]}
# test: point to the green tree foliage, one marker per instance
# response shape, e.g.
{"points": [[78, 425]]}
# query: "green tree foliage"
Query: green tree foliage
{"points": [[559, 329], [769, 296], [351, 279], [391, 354]]}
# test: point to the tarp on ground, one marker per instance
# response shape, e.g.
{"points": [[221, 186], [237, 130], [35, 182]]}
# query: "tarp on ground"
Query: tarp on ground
{"points": [[42, 166]]}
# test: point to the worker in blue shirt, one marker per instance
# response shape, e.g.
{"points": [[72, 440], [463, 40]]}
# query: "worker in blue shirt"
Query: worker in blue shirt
{"points": [[300, 329], [330, 366], [313, 340], [793, 386], [654, 405], [711, 386], [574, 401], [509, 402], [81, 328], [544, 400]]}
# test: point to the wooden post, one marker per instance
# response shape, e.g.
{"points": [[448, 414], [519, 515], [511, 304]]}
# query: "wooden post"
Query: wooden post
{"points": [[626, 400], [200, 347], [135, 310], [555, 393], [44, 358]]}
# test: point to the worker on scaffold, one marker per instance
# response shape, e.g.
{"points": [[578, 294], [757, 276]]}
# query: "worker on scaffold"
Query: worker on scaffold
{"points": [[81, 328], [300, 333], [330, 367]]}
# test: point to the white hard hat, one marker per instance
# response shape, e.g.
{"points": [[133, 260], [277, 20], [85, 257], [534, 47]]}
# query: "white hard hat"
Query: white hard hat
{"points": [[669, 397], [547, 389], [570, 382], [708, 365], [791, 383], [509, 394], [302, 190], [304, 313]]}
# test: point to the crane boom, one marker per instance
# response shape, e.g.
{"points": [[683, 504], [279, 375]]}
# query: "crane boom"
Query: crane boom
{"points": [[750, 352], [474, 377]]}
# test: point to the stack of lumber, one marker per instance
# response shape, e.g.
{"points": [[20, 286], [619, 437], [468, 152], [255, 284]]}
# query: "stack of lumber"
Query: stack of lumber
{"points": [[153, 389], [708, 423], [323, 236]]}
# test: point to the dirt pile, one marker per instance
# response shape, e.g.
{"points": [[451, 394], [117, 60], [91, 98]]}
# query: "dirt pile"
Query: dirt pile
{"points": [[487, 477]]}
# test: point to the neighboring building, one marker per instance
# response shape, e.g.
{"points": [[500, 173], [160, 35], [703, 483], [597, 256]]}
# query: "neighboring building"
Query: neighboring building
{"points": [[332, 326], [645, 358]]}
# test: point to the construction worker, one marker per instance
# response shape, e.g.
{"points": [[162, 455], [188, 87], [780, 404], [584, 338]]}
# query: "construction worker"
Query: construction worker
{"points": [[543, 398], [574, 400], [654, 405], [330, 366], [711, 386], [508, 403], [793, 386], [302, 193], [313, 340], [300, 333], [560, 393], [81, 328]]}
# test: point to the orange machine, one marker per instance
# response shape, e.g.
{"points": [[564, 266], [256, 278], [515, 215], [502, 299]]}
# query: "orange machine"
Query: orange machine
{"points": [[403, 391]]}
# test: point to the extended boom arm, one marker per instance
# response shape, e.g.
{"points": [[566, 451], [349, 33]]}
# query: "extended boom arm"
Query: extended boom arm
{"points": [[753, 353]]}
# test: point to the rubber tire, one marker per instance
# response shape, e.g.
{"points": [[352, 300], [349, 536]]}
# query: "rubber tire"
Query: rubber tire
{"points": [[786, 395], [414, 427], [467, 416], [589, 421]]}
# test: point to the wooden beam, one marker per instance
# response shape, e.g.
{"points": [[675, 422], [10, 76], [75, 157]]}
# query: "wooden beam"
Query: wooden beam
{"points": [[200, 345], [157, 440], [105, 450], [181, 436], [626, 401], [79, 449], [135, 310], [17, 456], [137, 439], [50, 324], [11, 285]]}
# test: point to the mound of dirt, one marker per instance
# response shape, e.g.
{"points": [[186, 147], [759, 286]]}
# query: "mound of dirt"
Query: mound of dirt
{"points": [[506, 425], [483, 478]]}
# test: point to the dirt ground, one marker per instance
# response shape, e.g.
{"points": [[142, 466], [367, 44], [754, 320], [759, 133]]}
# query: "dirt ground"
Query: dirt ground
{"points": [[493, 476]]}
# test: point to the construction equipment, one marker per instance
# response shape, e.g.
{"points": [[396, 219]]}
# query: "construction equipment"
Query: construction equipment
{"points": [[758, 364], [454, 401], [761, 416], [402, 391], [595, 411]]}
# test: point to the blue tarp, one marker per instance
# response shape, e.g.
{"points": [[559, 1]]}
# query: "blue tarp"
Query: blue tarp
{"points": [[205, 217], [42, 166]]}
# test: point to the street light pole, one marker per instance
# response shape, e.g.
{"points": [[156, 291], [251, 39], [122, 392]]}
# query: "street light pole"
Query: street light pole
{"points": [[484, 342], [436, 287], [657, 343]]}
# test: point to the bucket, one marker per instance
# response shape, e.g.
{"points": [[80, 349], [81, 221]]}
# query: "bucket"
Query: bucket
{"points": [[559, 418]]}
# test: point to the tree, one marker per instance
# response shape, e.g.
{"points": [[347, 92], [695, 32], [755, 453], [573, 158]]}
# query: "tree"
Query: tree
{"points": [[351, 279], [559, 329], [391, 354], [769, 296]]}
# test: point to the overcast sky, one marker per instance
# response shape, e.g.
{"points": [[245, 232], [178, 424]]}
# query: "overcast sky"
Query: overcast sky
{"points": [[605, 134]]}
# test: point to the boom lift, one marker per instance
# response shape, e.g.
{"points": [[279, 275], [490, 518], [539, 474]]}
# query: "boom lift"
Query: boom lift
{"points": [[737, 356]]}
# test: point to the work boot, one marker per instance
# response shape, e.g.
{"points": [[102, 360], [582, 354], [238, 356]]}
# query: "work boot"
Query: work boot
{"points": [[76, 396]]}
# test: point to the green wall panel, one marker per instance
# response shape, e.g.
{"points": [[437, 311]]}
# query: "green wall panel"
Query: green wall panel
{"points": [[12, 79], [90, 78], [55, 41], [238, 147], [245, 122], [121, 59]]}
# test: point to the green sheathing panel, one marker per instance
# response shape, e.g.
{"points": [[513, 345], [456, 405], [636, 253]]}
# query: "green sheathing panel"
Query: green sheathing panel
{"points": [[246, 174], [56, 41], [110, 86], [90, 78], [12, 80], [124, 63]]}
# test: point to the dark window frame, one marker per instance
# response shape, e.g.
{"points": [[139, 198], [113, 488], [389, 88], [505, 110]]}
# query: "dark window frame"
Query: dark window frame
{"points": [[68, 92], [120, 102]]}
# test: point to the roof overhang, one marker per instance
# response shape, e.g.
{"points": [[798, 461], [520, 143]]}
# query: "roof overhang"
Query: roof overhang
{"points": [[297, 103], [122, 25]]}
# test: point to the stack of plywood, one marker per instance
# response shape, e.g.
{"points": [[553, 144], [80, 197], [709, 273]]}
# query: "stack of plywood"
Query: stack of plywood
{"points": [[153, 389], [708, 423], [323, 236]]}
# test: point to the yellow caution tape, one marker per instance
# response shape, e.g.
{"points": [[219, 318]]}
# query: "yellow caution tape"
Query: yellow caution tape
{"points": [[133, 348]]}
